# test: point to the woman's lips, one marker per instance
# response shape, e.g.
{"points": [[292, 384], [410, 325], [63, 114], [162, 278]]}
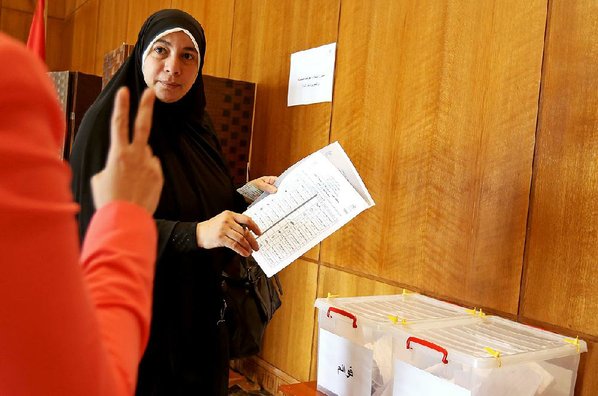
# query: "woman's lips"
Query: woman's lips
{"points": [[170, 85]]}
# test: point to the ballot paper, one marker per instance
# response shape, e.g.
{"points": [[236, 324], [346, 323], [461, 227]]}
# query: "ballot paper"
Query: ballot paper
{"points": [[412, 381], [315, 197]]}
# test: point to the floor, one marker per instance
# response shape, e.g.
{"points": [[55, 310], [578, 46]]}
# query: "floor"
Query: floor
{"points": [[238, 385], [238, 391]]}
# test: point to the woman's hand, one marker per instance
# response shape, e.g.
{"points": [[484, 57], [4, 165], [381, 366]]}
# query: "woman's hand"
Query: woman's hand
{"points": [[265, 183], [231, 230], [253, 189], [131, 173]]}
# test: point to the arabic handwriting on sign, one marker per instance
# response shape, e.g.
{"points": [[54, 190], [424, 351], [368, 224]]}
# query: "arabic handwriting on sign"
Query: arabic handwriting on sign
{"points": [[341, 368], [310, 85], [311, 77]]}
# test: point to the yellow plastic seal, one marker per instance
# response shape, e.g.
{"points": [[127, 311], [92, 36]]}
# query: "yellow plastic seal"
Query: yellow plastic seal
{"points": [[573, 342], [494, 353]]}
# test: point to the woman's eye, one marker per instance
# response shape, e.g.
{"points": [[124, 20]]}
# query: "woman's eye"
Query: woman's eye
{"points": [[188, 56], [160, 50]]}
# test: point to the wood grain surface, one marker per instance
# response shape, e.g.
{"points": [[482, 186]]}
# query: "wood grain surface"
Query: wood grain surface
{"points": [[216, 17], [289, 337], [85, 37], [112, 23], [561, 268], [137, 13], [436, 104]]}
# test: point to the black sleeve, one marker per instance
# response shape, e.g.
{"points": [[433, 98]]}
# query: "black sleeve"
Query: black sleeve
{"points": [[239, 202], [176, 236]]}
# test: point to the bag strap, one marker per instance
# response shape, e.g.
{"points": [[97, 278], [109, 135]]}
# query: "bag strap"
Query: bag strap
{"points": [[278, 284]]}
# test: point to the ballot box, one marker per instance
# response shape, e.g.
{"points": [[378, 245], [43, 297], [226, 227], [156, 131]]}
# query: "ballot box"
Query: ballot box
{"points": [[488, 356], [355, 339]]}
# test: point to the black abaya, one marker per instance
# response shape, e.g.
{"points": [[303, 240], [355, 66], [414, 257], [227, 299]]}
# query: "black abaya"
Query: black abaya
{"points": [[187, 353]]}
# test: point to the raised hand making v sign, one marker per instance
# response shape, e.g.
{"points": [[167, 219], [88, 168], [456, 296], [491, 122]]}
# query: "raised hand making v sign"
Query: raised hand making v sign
{"points": [[132, 172]]}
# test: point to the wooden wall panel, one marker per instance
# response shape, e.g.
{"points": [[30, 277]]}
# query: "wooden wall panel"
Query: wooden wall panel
{"points": [[264, 36], [15, 20], [69, 8], [563, 233], [79, 3], [85, 32], [56, 8], [436, 103], [587, 378], [216, 17], [288, 339], [112, 22], [560, 282], [58, 45], [138, 11], [345, 284], [15, 23], [68, 29], [21, 5]]}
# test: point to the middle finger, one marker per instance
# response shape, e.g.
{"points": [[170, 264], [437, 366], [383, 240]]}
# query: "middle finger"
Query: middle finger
{"points": [[240, 241]]}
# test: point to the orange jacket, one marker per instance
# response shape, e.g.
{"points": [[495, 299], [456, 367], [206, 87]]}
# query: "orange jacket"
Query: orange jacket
{"points": [[68, 325]]}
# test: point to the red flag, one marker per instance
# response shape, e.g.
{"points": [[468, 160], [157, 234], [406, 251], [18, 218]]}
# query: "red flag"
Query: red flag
{"points": [[37, 34]]}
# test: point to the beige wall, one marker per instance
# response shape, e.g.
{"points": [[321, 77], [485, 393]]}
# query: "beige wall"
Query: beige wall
{"points": [[473, 123]]}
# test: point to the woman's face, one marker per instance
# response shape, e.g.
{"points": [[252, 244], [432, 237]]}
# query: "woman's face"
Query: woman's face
{"points": [[171, 66]]}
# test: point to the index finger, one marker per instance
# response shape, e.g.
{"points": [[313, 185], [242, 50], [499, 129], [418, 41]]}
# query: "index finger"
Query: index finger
{"points": [[270, 179], [248, 221], [119, 123], [143, 121], [267, 184]]}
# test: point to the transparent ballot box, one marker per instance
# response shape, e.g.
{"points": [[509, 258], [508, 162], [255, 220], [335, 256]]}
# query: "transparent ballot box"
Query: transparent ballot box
{"points": [[488, 356], [355, 340]]}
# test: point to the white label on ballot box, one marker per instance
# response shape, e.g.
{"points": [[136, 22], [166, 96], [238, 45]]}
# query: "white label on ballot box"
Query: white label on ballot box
{"points": [[412, 381], [344, 368]]}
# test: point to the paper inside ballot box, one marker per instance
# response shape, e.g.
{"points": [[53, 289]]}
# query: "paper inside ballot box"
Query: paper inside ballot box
{"points": [[315, 197], [527, 379]]}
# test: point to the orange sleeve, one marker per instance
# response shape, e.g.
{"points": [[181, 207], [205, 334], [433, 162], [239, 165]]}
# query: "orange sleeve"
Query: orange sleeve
{"points": [[120, 242], [58, 334]]}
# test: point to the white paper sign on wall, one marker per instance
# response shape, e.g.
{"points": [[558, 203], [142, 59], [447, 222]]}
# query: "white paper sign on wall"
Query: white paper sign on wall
{"points": [[311, 75]]}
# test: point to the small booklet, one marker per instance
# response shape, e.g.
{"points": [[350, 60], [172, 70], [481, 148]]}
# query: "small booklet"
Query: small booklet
{"points": [[315, 197]]}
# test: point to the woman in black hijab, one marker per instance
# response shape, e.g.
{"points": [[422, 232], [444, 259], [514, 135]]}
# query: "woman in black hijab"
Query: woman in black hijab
{"points": [[198, 216]]}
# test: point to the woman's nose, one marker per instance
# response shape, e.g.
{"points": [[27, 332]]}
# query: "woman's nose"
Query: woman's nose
{"points": [[172, 65]]}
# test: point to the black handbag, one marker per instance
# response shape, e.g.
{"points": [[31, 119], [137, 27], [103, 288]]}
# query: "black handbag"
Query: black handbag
{"points": [[251, 300]]}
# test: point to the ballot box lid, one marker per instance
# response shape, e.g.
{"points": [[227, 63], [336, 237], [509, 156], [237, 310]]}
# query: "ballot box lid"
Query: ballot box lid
{"points": [[493, 341], [410, 310]]}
